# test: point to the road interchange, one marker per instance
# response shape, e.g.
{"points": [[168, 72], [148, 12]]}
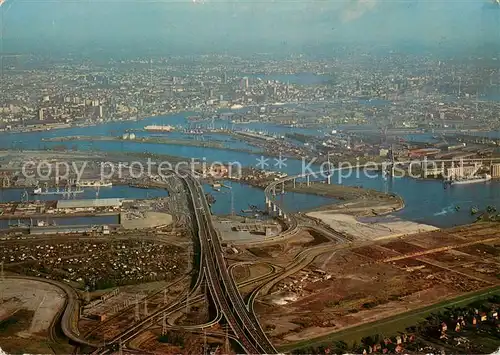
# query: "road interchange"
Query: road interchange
{"points": [[221, 284]]}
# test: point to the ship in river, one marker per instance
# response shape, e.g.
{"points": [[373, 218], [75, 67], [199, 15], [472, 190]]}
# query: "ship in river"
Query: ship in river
{"points": [[57, 191], [194, 131], [471, 179], [159, 128]]}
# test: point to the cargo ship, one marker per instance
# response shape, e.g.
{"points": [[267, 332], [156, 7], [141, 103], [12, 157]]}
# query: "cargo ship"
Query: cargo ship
{"points": [[159, 128], [40, 191], [471, 180]]}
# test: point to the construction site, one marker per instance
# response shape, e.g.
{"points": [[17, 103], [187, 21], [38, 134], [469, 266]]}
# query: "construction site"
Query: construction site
{"points": [[343, 288]]}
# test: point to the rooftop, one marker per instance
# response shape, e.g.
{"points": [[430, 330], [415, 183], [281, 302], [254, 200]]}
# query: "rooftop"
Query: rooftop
{"points": [[102, 202]]}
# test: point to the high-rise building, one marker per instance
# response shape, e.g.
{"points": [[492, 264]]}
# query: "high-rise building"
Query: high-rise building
{"points": [[244, 83], [41, 114]]}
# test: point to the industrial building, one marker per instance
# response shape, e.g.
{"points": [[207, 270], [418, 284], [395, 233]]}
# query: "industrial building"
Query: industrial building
{"points": [[61, 229], [495, 171], [69, 229], [257, 228], [461, 171], [90, 203]]}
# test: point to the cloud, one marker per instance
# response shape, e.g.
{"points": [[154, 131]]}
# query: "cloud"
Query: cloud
{"points": [[354, 9]]}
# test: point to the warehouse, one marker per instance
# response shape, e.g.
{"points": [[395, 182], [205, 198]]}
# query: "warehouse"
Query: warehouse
{"points": [[90, 203], [62, 229], [70, 229]]}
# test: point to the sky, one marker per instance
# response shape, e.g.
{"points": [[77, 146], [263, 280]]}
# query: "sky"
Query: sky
{"points": [[224, 24]]}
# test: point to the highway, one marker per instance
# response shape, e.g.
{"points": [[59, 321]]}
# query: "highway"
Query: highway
{"points": [[213, 267], [222, 286]]}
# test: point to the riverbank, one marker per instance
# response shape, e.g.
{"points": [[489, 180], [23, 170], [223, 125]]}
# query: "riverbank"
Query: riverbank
{"points": [[150, 140], [353, 200], [365, 214], [212, 144], [61, 125]]}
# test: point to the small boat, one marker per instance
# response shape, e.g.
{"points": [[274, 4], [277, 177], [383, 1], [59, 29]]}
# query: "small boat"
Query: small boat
{"points": [[457, 208], [474, 210]]}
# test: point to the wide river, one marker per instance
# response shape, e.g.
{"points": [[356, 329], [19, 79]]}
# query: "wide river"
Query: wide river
{"points": [[426, 201]]}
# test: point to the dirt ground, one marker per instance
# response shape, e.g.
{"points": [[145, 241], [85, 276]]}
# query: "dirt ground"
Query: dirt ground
{"points": [[26, 314], [283, 252], [353, 286], [150, 220], [367, 228], [44, 299], [341, 192], [244, 272], [364, 207]]}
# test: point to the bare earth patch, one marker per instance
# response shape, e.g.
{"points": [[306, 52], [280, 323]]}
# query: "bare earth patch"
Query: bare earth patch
{"points": [[44, 299], [367, 230]]}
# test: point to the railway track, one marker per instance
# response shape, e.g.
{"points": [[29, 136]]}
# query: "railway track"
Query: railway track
{"points": [[126, 316]]}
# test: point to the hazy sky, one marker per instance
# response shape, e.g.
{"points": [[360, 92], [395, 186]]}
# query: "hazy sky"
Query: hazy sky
{"points": [[222, 24]]}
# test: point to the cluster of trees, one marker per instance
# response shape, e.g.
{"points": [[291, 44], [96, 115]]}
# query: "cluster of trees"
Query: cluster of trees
{"points": [[172, 337]]}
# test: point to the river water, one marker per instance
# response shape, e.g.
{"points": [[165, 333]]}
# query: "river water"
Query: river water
{"points": [[426, 201]]}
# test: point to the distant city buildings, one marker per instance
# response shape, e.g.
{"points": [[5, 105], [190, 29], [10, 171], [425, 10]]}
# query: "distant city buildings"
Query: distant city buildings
{"points": [[427, 93]]}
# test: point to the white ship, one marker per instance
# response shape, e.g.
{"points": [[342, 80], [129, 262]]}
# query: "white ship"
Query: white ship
{"points": [[471, 180], [46, 191], [93, 183], [158, 128]]}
